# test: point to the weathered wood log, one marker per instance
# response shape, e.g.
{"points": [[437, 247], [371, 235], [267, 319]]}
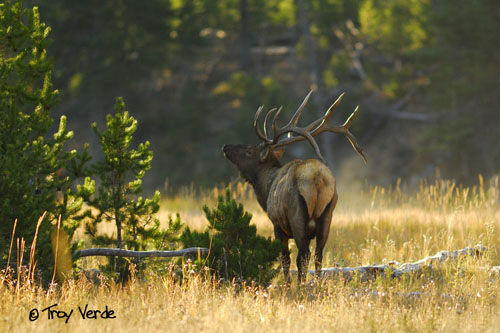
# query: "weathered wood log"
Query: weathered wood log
{"points": [[107, 252], [370, 272], [415, 295], [439, 258]]}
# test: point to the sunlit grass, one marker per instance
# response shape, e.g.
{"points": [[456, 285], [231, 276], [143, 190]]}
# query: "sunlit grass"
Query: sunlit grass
{"points": [[368, 227], [457, 303], [380, 223]]}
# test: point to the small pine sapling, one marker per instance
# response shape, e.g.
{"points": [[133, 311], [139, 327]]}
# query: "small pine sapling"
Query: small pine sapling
{"points": [[236, 251], [117, 197]]}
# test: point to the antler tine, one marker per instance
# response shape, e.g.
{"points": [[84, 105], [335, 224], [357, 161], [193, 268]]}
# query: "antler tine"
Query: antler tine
{"points": [[296, 115], [256, 125], [351, 137], [313, 127], [351, 118], [265, 122], [344, 129], [275, 126]]}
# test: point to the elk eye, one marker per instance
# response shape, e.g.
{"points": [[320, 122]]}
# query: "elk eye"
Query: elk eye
{"points": [[248, 153]]}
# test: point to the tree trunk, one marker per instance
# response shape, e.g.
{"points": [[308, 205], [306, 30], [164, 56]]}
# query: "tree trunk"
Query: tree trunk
{"points": [[118, 228], [244, 37], [325, 141], [117, 203]]}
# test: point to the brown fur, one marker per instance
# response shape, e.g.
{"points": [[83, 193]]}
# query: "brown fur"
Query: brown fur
{"points": [[312, 180], [316, 185], [299, 198]]}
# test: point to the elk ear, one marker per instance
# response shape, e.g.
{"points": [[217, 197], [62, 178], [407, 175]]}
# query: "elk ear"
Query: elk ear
{"points": [[278, 153]]}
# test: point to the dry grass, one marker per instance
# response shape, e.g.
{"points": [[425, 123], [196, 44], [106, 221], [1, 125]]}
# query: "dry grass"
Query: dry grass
{"points": [[376, 225]]}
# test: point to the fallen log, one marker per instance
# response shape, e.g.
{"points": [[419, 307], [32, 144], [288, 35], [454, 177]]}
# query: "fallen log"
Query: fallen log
{"points": [[401, 294], [108, 252], [439, 258], [370, 272]]}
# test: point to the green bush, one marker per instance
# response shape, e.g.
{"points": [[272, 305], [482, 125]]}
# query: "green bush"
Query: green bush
{"points": [[236, 251]]}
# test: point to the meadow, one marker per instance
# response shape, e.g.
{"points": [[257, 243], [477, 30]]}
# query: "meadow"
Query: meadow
{"points": [[370, 226]]}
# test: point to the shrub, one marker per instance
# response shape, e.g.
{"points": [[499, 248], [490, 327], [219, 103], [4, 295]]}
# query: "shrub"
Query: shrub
{"points": [[236, 251]]}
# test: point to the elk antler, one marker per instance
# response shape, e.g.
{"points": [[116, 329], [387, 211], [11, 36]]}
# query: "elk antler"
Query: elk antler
{"points": [[255, 125], [306, 133]]}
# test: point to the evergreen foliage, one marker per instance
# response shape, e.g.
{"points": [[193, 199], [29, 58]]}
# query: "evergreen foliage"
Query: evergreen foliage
{"points": [[236, 251], [117, 197], [32, 159]]}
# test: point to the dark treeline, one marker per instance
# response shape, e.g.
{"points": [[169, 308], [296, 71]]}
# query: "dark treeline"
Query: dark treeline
{"points": [[426, 74]]}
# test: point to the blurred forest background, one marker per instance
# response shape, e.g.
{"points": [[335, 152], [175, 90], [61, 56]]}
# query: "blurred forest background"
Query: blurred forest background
{"points": [[426, 74]]}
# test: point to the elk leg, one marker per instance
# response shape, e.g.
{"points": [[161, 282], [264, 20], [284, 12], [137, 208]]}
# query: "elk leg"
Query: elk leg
{"points": [[285, 253], [303, 257], [298, 224], [302, 241], [322, 230]]}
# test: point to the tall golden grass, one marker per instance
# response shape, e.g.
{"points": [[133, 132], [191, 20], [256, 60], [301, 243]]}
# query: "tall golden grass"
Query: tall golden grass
{"points": [[372, 226]]}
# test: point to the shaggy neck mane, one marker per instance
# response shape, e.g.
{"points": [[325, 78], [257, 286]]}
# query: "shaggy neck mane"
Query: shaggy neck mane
{"points": [[262, 179]]}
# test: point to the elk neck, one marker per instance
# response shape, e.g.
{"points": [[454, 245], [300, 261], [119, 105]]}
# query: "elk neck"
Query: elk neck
{"points": [[263, 179]]}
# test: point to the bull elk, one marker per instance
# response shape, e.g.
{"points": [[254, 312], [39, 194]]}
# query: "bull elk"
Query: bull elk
{"points": [[300, 196]]}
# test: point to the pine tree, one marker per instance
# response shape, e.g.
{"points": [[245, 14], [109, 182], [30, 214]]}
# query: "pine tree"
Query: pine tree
{"points": [[236, 251], [31, 159], [118, 196]]}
